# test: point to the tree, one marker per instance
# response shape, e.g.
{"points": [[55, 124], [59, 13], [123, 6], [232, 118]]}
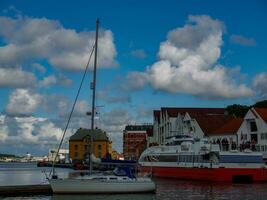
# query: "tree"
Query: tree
{"points": [[237, 110], [261, 104]]}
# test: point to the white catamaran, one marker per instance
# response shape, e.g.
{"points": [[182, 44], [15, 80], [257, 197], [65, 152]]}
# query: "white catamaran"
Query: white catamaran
{"points": [[91, 183]]}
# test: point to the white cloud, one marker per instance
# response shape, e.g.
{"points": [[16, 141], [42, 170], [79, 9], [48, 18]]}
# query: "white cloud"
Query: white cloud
{"points": [[136, 80], [260, 85], [29, 131], [114, 122], [64, 81], [242, 40], [188, 63], [3, 129], [31, 39], [48, 81], [115, 96], [23, 102], [139, 53], [52, 80], [16, 78]]}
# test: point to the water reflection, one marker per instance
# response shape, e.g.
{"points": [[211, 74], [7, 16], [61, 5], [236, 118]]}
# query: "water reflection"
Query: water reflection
{"points": [[25, 174], [106, 197], [175, 189]]}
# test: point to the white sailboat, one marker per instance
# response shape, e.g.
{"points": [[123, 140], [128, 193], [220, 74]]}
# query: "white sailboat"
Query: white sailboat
{"points": [[99, 183]]}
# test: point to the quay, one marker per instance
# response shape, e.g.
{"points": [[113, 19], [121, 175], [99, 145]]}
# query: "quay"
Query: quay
{"points": [[18, 190]]}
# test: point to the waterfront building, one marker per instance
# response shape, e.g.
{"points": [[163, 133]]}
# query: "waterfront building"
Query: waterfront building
{"points": [[133, 135], [169, 122], [80, 144], [253, 130], [215, 124]]}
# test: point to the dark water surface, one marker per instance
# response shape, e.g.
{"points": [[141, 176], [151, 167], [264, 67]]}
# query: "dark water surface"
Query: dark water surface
{"points": [[25, 174]]}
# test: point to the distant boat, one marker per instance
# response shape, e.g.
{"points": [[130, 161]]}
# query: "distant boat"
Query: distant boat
{"points": [[99, 183]]}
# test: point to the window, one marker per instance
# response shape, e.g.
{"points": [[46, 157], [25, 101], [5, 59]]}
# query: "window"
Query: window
{"points": [[253, 126], [99, 154], [99, 147], [167, 158], [262, 148], [75, 154], [85, 147], [76, 147]]}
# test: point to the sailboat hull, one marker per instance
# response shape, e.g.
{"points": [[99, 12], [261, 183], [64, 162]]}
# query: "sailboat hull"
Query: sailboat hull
{"points": [[91, 186]]}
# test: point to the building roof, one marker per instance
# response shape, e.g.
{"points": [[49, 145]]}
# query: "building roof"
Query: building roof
{"points": [[229, 128], [98, 135], [142, 127], [173, 112], [210, 122], [262, 112]]}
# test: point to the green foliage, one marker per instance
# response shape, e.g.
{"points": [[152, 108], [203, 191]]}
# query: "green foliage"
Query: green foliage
{"points": [[261, 104], [241, 110], [7, 155], [237, 110]]}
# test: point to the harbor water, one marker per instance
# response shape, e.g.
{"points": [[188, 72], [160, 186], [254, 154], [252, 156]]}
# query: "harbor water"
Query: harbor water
{"points": [[29, 174]]}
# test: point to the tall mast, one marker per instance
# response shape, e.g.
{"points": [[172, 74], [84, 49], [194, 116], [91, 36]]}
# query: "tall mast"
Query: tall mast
{"points": [[94, 76], [93, 100]]}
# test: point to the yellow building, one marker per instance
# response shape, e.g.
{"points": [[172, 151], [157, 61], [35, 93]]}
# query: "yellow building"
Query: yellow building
{"points": [[80, 144]]}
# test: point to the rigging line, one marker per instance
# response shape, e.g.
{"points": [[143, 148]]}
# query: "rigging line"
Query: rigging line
{"points": [[72, 109]]}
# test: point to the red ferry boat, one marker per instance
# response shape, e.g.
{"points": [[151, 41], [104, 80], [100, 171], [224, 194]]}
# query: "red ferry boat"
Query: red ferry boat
{"points": [[185, 158]]}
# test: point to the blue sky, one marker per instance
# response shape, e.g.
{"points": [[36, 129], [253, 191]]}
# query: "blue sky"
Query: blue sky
{"points": [[153, 54]]}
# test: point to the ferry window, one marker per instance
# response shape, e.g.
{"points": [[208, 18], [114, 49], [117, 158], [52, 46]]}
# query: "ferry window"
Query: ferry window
{"points": [[196, 158], [205, 157], [154, 158], [253, 126], [182, 158], [167, 158]]}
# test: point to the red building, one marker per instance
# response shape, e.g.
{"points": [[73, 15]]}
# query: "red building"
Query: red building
{"points": [[134, 140]]}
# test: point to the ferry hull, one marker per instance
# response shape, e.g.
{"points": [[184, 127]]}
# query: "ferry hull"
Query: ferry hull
{"points": [[209, 174]]}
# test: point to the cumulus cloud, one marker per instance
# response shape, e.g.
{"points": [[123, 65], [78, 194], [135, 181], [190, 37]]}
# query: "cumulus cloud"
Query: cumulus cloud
{"points": [[16, 78], [260, 85], [241, 40], [32, 39], [139, 53], [120, 118], [52, 80], [188, 63], [136, 80], [29, 133], [48, 81], [63, 80], [114, 96], [23, 102]]}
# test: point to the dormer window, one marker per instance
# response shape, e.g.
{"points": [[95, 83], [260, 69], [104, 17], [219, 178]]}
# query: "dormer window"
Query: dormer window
{"points": [[253, 126]]}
